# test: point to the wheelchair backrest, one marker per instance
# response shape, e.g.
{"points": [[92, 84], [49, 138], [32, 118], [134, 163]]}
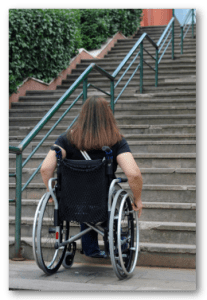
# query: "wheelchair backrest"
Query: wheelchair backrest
{"points": [[82, 190]]}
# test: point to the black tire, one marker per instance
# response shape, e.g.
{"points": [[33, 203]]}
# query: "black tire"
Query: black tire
{"points": [[48, 257]]}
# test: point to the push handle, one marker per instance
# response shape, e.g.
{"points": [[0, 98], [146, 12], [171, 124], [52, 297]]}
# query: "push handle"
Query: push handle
{"points": [[123, 179], [58, 151], [109, 160], [106, 148]]}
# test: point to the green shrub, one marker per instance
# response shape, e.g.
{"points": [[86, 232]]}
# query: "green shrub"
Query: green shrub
{"points": [[41, 43], [98, 24], [94, 27]]}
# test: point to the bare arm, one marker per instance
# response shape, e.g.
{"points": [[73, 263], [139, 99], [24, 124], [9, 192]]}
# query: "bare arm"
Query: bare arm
{"points": [[49, 165], [134, 176]]}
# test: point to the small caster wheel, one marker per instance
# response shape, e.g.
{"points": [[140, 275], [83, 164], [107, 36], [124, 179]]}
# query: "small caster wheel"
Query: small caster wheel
{"points": [[68, 260]]}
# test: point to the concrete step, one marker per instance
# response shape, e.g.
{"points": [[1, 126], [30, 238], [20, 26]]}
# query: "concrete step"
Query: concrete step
{"points": [[167, 84], [149, 78], [153, 110], [163, 72], [176, 256], [159, 31], [134, 87], [150, 232], [146, 89], [121, 104], [45, 94], [170, 143], [180, 62], [125, 129], [144, 160], [168, 55], [156, 30], [185, 71], [123, 51], [169, 193], [152, 211], [188, 41], [125, 47], [159, 27], [184, 176], [136, 146], [155, 36], [154, 120], [150, 193], [176, 72], [121, 119], [120, 54], [183, 60], [158, 129], [181, 98]]}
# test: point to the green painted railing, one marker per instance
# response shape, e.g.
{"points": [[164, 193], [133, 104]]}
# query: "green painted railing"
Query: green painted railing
{"points": [[138, 52], [188, 22]]}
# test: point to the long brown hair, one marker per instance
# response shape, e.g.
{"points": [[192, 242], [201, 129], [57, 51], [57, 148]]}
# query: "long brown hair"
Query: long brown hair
{"points": [[96, 126]]}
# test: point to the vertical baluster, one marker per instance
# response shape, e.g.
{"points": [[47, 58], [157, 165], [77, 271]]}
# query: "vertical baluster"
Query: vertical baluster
{"points": [[85, 83], [156, 67], [173, 39], [192, 23], [18, 205], [112, 95], [181, 39], [141, 67]]}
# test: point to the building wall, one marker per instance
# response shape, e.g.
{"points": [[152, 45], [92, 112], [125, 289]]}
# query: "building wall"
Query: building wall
{"points": [[156, 17]]}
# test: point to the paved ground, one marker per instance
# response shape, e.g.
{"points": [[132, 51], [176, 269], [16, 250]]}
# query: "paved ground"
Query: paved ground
{"points": [[26, 275]]}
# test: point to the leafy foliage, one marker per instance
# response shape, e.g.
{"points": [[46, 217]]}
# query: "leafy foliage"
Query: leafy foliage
{"points": [[98, 24], [43, 41]]}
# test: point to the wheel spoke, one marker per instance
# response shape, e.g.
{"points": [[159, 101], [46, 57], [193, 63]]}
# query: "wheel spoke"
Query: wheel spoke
{"points": [[49, 258]]}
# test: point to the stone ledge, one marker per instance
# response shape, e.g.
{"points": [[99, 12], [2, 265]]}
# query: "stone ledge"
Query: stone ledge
{"points": [[168, 248], [171, 226], [143, 225], [143, 247], [149, 205]]}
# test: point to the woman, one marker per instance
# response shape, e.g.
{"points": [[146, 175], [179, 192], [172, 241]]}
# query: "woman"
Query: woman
{"points": [[96, 127]]}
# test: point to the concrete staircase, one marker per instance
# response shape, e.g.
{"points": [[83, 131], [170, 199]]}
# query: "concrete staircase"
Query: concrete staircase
{"points": [[160, 126]]}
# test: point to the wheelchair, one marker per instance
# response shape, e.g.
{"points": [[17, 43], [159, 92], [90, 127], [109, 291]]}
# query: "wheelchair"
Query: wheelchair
{"points": [[85, 192]]}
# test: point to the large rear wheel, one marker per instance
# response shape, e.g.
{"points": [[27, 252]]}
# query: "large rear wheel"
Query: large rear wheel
{"points": [[49, 258]]}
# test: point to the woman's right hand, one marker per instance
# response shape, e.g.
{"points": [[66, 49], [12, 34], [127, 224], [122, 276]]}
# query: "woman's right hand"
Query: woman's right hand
{"points": [[137, 206]]}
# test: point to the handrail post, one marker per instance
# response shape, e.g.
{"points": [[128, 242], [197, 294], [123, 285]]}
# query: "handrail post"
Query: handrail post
{"points": [[181, 39], [85, 83], [173, 39], [156, 68], [112, 95], [18, 205], [192, 23], [141, 67]]}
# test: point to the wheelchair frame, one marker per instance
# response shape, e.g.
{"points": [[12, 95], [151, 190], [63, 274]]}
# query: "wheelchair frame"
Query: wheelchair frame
{"points": [[121, 249]]}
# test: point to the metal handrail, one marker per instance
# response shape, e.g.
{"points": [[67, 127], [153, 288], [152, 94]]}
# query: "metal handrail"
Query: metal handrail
{"points": [[192, 14], [81, 79]]}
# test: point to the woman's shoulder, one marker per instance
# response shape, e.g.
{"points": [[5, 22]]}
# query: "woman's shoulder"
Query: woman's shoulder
{"points": [[63, 141], [121, 147], [62, 138]]}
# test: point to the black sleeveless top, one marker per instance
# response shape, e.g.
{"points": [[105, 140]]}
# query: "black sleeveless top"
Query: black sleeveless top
{"points": [[73, 153]]}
